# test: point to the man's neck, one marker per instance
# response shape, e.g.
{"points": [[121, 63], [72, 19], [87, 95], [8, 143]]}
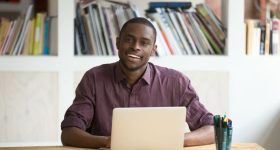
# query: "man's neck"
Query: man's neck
{"points": [[133, 76]]}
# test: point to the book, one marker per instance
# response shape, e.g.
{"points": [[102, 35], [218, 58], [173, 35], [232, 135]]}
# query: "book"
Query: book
{"points": [[53, 36], [159, 17], [89, 34], [267, 38], [99, 31], [42, 31], [81, 30], [77, 43], [14, 36], [105, 21], [172, 5], [111, 23], [275, 36], [46, 50], [28, 46], [184, 44], [162, 48], [19, 44], [178, 47], [134, 9], [103, 27], [120, 15], [5, 27], [256, 41], [262, 42], [209, 38], [253, 37], [186, 32], [199, 48], [210, 30], [37, 34], [206, 48], [8, 38], [203, 10], [93, 26]]}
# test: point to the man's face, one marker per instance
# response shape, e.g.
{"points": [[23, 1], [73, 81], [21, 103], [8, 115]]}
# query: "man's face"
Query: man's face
{"points": [[136, 45]]}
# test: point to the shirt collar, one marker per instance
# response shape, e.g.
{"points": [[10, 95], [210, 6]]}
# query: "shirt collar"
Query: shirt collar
{"points": [[120, 76]]}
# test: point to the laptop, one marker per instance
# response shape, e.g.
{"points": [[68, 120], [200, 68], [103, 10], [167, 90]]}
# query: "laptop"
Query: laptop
{"points": [[148, 128]]}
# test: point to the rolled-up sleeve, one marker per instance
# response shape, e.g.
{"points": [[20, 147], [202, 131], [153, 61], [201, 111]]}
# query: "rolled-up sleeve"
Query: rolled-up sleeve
{"points": [[81, 112], [197, 115]]}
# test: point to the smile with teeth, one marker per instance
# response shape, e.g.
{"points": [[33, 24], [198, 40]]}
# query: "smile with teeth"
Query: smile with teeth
{"points": [[133, 56]]}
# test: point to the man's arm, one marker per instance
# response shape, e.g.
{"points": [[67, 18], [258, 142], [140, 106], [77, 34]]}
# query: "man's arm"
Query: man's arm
{"points": [[200, 136], [72, 136]]}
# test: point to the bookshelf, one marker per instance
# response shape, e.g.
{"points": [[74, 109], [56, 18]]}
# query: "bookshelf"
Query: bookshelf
{"points": [[234, 75], [27, 26], [262, 27]]}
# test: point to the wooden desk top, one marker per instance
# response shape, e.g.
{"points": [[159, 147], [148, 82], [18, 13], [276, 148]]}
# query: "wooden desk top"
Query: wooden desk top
{"points": [[242, 146]]}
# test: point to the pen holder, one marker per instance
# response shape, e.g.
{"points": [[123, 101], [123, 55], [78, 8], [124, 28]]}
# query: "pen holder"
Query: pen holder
{"points": [[223, 132], [223, 138]]}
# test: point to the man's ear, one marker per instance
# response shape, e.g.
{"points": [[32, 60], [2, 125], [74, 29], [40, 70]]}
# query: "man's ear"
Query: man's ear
{"points": [[154, 50], [118, 42]]}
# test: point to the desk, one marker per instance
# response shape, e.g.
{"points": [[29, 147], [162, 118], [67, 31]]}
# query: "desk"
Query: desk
{"points": [[242, 146]]}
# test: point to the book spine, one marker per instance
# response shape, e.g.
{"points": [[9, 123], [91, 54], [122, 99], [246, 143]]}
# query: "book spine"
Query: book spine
{"points": [[81, 29], [37, 34], [172, 5], [46, 50]]}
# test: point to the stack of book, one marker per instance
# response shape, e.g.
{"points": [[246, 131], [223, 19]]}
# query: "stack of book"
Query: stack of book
{"points": [[262, 32], [181, 30], [98, 23], [27, 35], [262, 39], [185, 31]]}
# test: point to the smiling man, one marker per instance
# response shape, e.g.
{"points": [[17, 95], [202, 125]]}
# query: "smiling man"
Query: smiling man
{"points": [[136, 44], [131, 82]]}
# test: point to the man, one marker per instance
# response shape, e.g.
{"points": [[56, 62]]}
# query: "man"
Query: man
{"points": [[131, 82]]}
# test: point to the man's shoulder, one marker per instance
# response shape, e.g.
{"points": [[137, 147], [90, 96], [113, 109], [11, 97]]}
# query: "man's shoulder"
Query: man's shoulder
{"points": [[101, 69], [167, 72]]}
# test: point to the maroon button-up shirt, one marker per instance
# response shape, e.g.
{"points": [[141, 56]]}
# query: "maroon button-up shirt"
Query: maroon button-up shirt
{"points": [[104, 88]]}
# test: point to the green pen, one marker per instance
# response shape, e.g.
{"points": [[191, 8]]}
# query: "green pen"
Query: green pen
{"points": [[216, 119], [217, 128]]}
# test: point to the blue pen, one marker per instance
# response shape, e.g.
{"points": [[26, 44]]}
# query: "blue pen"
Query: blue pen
{"points": [[224, 134], [229, 134]]}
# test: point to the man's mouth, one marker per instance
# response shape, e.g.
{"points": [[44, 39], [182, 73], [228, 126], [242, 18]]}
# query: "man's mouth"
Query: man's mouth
{"points": [[133, 56]]}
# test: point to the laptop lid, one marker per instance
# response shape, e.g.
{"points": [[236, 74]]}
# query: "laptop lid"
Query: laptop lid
{"points": [[148, 128]]}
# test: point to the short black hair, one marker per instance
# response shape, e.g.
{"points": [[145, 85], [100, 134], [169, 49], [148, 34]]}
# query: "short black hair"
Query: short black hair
{"points": [[140, 20]]}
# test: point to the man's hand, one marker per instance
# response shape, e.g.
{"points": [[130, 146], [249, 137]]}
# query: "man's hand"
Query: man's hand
{"points": [[202, 136], [72, 136]]}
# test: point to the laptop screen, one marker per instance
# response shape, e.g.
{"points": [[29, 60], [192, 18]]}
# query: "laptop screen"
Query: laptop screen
{"points": [[148, 128]]}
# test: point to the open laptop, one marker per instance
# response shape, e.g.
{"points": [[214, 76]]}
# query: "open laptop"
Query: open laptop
{"points": [[148, 128]]}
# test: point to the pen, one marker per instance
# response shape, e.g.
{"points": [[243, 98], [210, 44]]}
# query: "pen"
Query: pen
{"points": [[224, 134], [216, 119], [229, 134]]}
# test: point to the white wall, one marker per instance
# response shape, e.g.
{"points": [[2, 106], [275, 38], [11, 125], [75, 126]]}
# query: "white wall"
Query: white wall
{"points": [[255, 102], [254, 87], [28, 107]]}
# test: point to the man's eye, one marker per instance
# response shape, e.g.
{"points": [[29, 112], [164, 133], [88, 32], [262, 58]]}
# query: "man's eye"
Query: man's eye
{"points": [[129, 40], [145, 43]]}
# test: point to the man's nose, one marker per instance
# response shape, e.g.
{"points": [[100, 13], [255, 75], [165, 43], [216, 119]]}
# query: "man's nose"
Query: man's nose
{"points": [[136, 45]]}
